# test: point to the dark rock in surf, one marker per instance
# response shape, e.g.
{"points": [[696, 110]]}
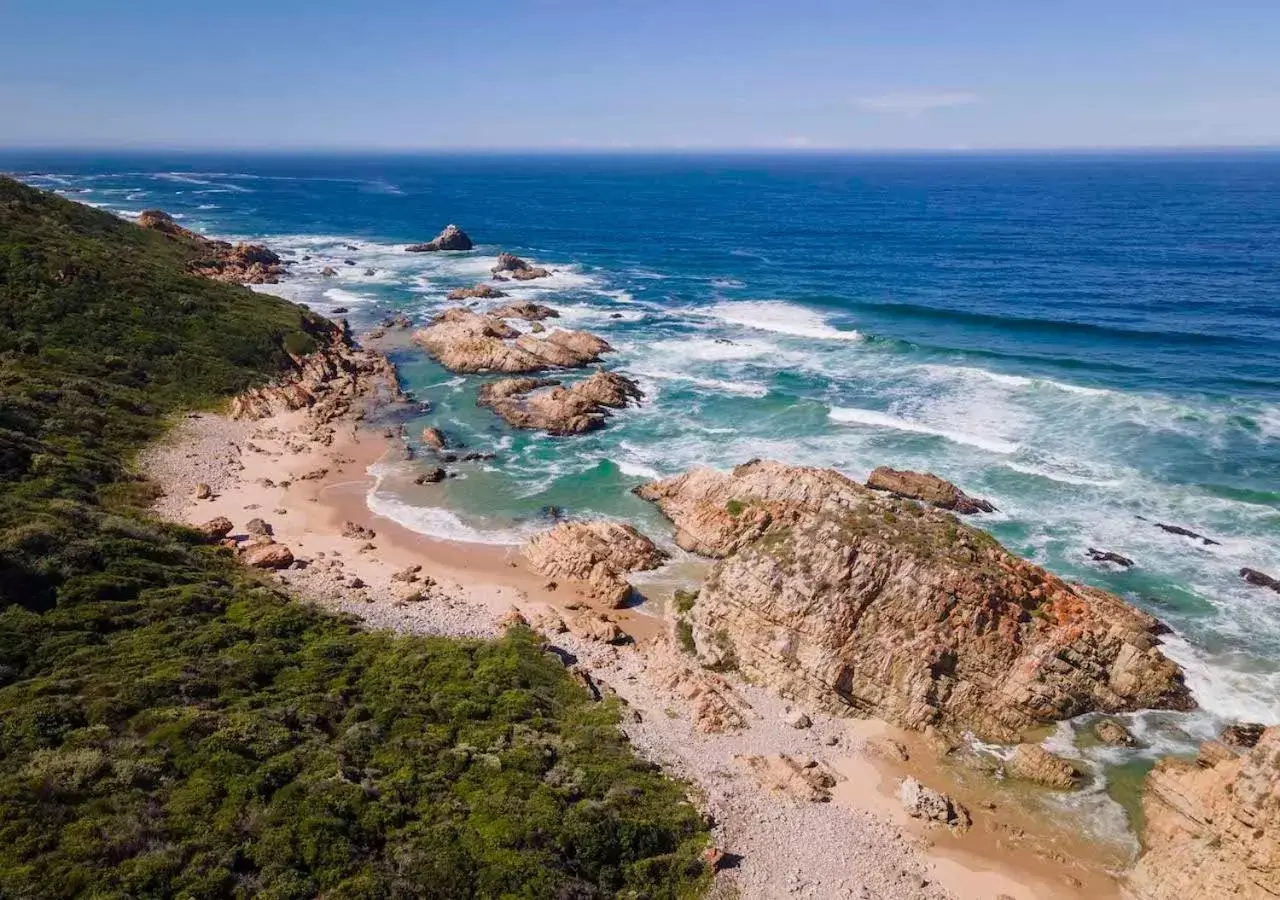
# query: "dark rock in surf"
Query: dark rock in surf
{"points": [[452, 238], [1185, 532], [1106, 556], [1260, 579]]}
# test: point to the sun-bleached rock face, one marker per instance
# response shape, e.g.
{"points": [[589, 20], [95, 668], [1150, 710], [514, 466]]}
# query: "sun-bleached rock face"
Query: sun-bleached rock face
{"points": [[234, 263], [468, 342], [803, 778], [927, 488], [597, 556], [452, 238], [1212, 826], [856, 601], [544, 404]]}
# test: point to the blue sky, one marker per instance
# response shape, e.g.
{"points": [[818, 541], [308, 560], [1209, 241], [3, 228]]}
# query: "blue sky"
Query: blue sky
{"points": [[638, 75]]}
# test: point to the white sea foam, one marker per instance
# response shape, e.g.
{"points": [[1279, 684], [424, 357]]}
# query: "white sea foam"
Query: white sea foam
{"points": [[855, 416], [184, 178], [742, 388], [439, 522], [780, 317]]}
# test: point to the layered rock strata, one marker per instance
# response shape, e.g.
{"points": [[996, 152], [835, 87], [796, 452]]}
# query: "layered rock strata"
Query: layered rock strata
{"points": [[544, 404], [597, 556]]}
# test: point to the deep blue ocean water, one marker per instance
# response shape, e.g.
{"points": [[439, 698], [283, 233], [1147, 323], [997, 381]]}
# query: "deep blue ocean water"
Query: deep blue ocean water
{"points": [[1082, 339]]}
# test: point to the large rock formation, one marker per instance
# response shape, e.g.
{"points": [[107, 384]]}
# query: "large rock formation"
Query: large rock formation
{"points": [[478, 292], [857, 601], [1212, 826], [220, 260], [452, 238], [523, 309], [469, 342], [928, 488], [545, 405], [597, 556], [511, 266]]}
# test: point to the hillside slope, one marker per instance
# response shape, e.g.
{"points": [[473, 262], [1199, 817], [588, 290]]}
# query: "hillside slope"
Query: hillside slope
{"points": [[172, 726]]}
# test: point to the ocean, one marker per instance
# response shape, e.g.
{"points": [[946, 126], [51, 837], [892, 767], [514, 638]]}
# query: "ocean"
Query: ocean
{"points": [[1092, 342]]}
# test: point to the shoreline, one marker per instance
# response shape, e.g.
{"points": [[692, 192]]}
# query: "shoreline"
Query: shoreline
{"points": [[309, 492]]}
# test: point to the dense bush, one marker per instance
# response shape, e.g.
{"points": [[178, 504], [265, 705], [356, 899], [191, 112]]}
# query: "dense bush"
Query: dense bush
{"points": [[171, 726]]}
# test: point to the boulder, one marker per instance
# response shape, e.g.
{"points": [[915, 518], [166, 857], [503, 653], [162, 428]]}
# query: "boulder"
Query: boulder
{"points": [[927, 488], [479, 292], [268, 556], [452, 238], [1212, 827], [597, 556], [925, 803], [1111, 732], [856, 602], [544, 404], [203, 491], [595, 627], [434, 438], [715, 707], [432, 476], [215, 529], [512, 266], [797, 777], [1031, 762], [258, 526], [467, 342], [1260, 579]]}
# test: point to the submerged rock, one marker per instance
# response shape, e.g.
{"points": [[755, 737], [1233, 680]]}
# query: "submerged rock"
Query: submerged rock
{"points": [[1106, 556], [1185, 532], [1212, 827], [596, 555], [544, 404], [452, 238], [851, 600], [928, 488]]}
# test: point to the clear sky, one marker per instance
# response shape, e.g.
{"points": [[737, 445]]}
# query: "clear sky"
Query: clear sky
{"points": [[678, 74]]}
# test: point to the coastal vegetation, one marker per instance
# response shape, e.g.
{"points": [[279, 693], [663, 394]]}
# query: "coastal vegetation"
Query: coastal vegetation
{"points": [[172, 725]]}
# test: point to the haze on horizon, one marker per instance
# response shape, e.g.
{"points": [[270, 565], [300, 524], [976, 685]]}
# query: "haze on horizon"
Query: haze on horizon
{"points": [[665, 75]]}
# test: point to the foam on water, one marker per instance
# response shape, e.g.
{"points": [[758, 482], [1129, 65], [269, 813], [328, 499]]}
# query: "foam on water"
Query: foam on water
{"points": [[781, 317], [876, 419]]}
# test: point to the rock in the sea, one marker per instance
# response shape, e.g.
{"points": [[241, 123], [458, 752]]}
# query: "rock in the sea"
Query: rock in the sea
{"points": [[851, 600], [468, 342], [1031, 762], [434, 438], [1212, 827], [1106, 556], [596, 555], [1186, 532], [927, 488], [1242, 734], [523, 309], [452, 238], [432, 476], [1111, 732], [1260, 579], [544, 404], [479, 292], [215, 529], [798, 777], [922, 802], [268, 556], [328, 271], [511, 266]]}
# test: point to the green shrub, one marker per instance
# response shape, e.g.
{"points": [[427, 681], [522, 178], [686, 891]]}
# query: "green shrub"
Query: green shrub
{"points": [[684, 634], [684, 600], [735, 508]]}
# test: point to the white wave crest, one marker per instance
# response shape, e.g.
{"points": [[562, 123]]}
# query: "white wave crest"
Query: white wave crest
{"points": [[855, 416], [780, 317]]}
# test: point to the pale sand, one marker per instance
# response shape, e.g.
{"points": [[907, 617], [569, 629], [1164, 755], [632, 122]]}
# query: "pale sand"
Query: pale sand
{"points": [[860, 845]]}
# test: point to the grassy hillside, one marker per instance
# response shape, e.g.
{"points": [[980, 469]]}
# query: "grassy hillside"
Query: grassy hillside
{"points": [[172, 726]]}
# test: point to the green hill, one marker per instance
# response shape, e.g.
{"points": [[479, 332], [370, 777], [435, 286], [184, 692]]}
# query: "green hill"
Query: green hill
{"points": [[172, 726]]}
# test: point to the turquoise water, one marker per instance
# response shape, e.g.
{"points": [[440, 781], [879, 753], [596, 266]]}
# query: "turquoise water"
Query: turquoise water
{"points": [[1082, 340]]}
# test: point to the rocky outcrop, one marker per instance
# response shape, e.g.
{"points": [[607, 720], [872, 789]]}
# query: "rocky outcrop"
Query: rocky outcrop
{"points": [[523, 309], [544, 404], [1244, 735], [1031, 762], [714, 706], [927, 488], [856, 601], [452, 238], [1212, 826], [330, 383], [220, 260], [479, 292], [433, 438], [1260, 579], [511, 266], [803, 778], [597, 556], [922, 802], [469, 342]]}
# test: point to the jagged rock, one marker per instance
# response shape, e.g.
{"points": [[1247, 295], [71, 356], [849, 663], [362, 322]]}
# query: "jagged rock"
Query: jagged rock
{"points": [[467, 342], [595, 627], [268, 556], [434, 438], [854, 601], [595, 555], [523, 309], [235, 263], [357, 531], [1185, 532], [1113, 733], [1260, 579], [928, 488], [481, 291], [1213, 829], [512, 266], [452, 238], [715, 707], [432, 476], [803, 779], [203, 491], [328, 271], [797, 719], [258, 526], [1106, 556], [511, 619], [1031, 762], [922, 802], [544, 404], [215, 529], [1242, 734]]}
